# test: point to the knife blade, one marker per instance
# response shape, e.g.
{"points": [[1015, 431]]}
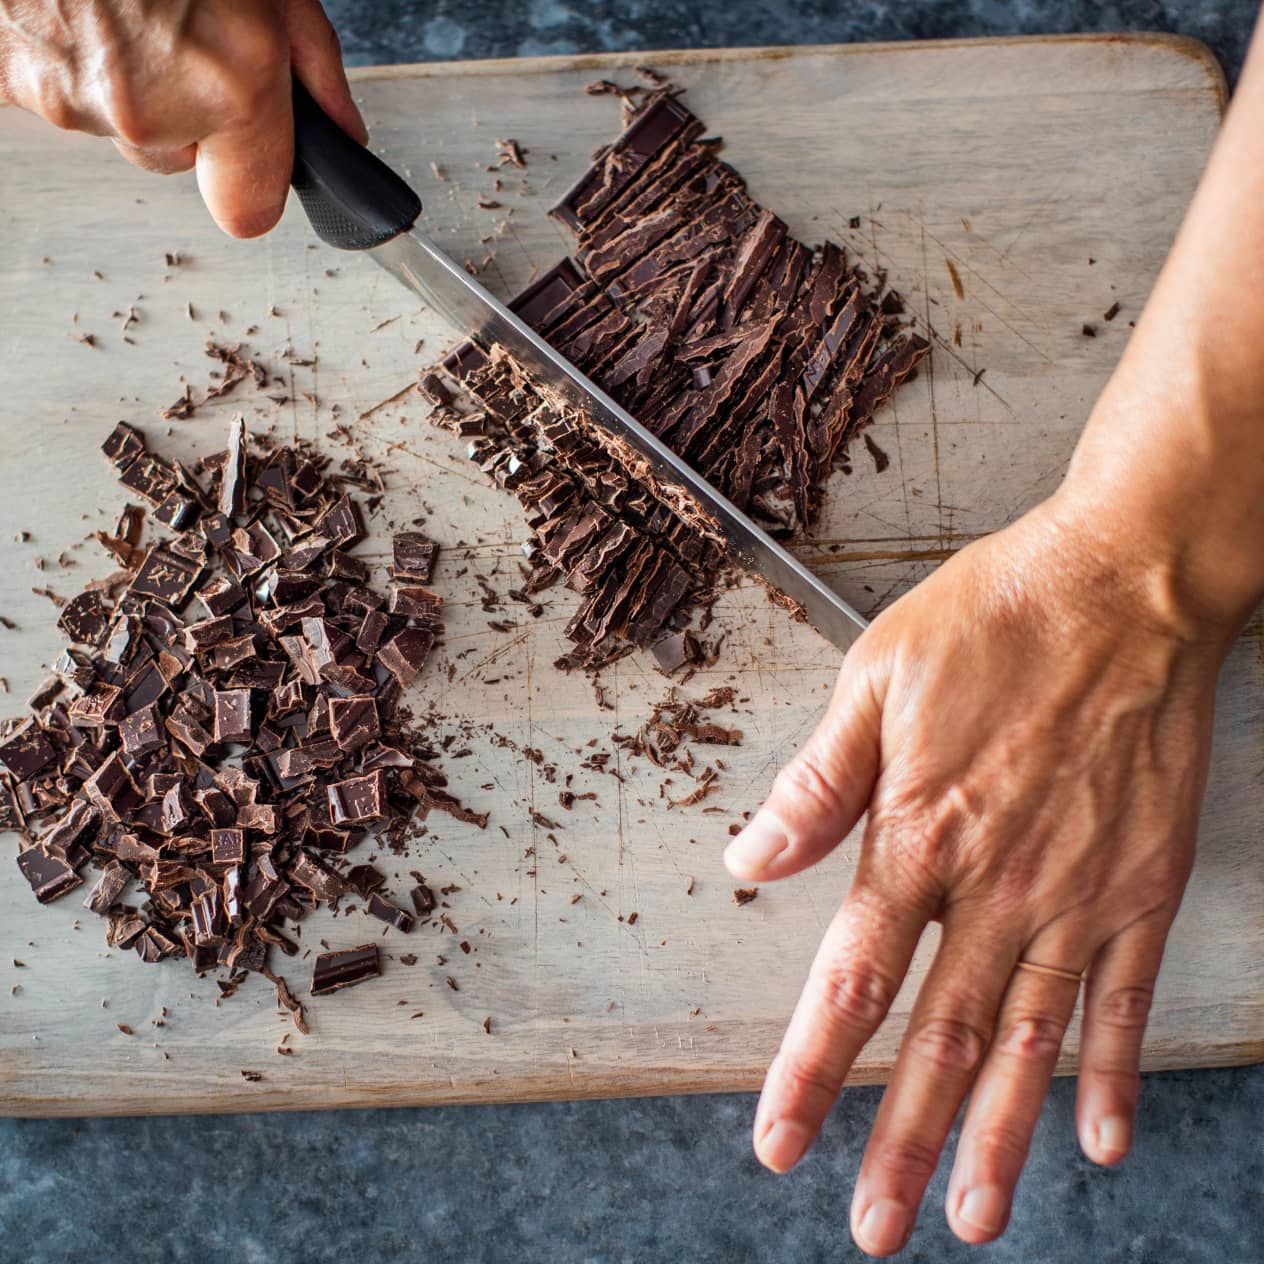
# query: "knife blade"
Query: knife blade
{"points": [[356, 202]]}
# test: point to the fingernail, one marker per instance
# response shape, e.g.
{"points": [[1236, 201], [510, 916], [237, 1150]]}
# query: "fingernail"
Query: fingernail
{"points": [[783, 1145], [1113, 1138], [984, 1208], [757, 846], [883, 1227]]}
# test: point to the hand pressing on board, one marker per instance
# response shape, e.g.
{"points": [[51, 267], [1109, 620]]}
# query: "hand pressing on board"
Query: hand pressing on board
{"points": [[181, 84], [1028, 731]]}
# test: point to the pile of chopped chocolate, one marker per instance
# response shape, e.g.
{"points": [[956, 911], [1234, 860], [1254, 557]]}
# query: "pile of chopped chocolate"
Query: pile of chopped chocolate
{"points": [[748, 353], [225, 726]]}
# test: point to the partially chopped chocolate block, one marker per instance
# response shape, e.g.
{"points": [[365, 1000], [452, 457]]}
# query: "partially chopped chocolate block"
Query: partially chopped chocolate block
{"points": [[754, 357], [344, 968]]}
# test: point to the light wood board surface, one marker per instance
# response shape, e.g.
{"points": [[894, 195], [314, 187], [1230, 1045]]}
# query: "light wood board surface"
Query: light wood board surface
{"points": [[1020, 162]]}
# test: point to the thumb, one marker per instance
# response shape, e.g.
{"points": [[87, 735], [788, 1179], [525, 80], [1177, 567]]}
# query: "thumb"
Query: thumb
{"points": [[823, 791]]}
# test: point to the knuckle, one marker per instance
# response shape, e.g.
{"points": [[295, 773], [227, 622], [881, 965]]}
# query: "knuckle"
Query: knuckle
{"points": [[854, 997], [905, 1156], [802, 1076], [949, 1044], [1031, 1037], [807, 784], [54, 106], [1000, 1146], [248, 62], [1125, 1008]]}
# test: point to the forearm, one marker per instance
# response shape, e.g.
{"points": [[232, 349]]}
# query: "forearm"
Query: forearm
{"points": [[1173, 456]]}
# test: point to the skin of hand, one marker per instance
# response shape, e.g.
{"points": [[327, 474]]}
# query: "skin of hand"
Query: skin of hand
{"points": [[180, 84], [1028, 731]]}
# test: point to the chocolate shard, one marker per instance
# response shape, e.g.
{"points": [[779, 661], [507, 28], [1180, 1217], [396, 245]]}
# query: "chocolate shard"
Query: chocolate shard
{"points": [[108, 888], [232, 485], [345, 968], [142, 732]]}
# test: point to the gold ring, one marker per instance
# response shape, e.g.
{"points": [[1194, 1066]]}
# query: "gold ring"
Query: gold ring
{"points": [[1052, 971]]}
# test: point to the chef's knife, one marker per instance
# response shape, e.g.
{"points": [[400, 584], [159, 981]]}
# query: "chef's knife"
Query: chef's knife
{"points": [[356, 202]]}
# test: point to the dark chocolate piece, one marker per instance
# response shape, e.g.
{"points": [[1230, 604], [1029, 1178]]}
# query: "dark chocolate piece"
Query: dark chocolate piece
{"points": [[50, 876], [345, 968], [357, 800], [414, 557]]}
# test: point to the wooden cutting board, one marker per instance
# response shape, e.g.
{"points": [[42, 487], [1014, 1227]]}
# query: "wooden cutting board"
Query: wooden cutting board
{"points": [[1013, 191]]}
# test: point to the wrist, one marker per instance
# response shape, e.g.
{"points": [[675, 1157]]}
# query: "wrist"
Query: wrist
{"points": [[1165, 550]]}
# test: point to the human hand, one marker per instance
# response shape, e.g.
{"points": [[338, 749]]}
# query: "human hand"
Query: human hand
{"points": [[1029, 732], [178, 84]]}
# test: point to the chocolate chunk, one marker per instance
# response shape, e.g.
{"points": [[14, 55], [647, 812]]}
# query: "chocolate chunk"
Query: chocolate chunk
{"points": [[414, 557], [109, 887], [165, 577], [415, 602], [353, 721], [85, 618], [142, 732], [389, 913], [228, 846], [27, 751], [344, 968], [424, 900], [323, 883], [123, 445], [357, 800], [232, 715], [405, 653], [50, 876]]}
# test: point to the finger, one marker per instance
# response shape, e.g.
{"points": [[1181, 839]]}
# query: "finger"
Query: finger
{"points": [[856, 974], [1007, 1098], [821, 793], [165, 162], [243, 170], [1116, 1006], [942, 1050], [316, 55]]}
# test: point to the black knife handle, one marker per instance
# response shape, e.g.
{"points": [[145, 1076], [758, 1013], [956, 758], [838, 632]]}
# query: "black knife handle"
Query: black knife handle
{"points": [[352, 198]]}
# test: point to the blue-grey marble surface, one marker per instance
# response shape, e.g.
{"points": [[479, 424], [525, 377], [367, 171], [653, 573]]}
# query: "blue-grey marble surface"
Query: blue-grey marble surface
{"points": [[655, 1179]]}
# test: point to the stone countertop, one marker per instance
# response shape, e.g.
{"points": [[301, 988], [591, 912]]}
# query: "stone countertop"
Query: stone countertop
{"points": [[651, 1179]]}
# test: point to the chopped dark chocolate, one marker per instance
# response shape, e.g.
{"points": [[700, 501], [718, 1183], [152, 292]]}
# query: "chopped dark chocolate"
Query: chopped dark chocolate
{"points": [[212, 756]]}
